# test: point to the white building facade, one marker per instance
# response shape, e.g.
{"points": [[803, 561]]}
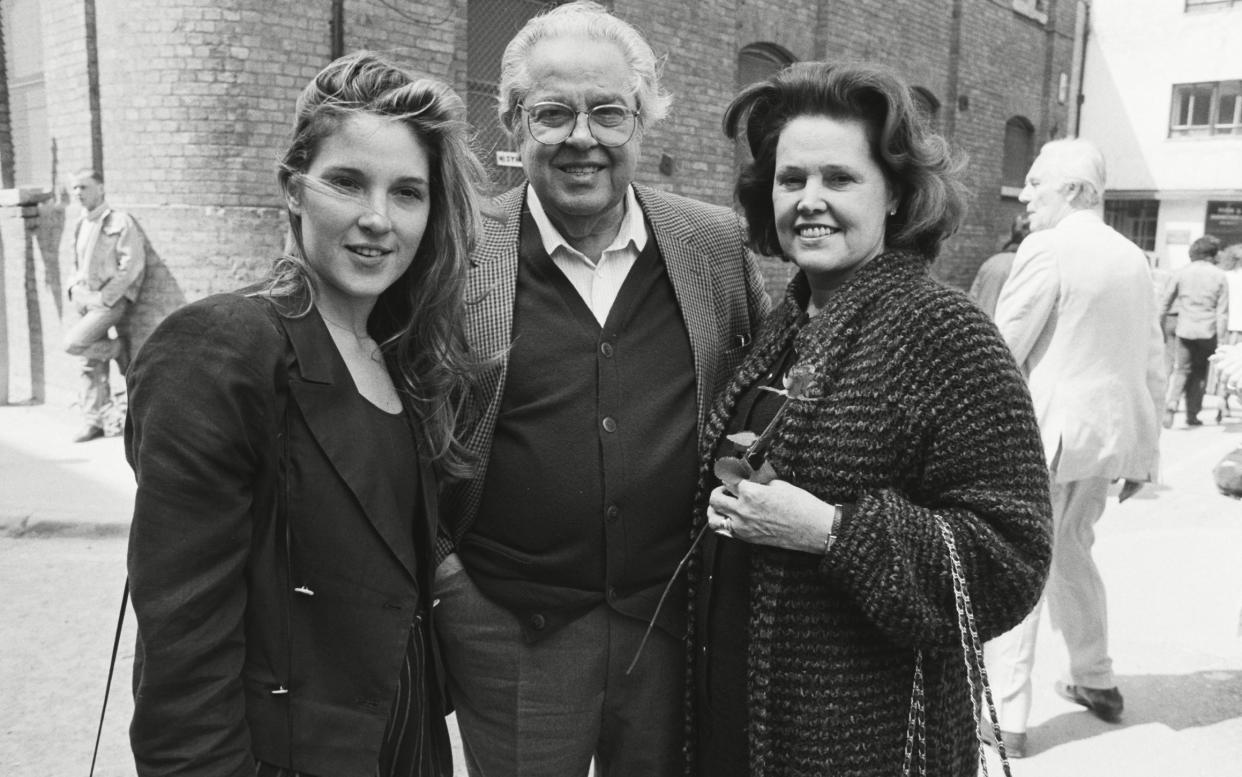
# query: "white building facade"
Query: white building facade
{"points": [[1162, 97]]}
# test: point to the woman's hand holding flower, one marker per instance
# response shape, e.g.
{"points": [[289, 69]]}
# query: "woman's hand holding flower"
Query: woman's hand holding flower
{"points": [[778, 514]]}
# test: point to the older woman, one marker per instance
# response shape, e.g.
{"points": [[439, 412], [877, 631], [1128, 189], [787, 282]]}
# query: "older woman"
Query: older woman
{"points": [[885, 406]]}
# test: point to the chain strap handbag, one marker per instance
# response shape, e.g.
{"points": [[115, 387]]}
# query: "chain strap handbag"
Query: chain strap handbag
{"points": [[972, 656]]}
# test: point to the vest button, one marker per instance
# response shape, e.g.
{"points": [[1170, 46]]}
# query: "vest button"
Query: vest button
{"points": [[612, 513], [610, 424], [537, 622], [606, 350]]}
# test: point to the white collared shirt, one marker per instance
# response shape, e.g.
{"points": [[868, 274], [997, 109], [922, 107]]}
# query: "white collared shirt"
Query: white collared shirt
{"points": [[598, 283], [88, 232]]}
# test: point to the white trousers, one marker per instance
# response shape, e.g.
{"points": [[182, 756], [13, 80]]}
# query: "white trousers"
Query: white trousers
{"points": [[1077, 609]]}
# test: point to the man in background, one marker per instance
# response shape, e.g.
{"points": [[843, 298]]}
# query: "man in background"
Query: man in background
{"points": [[109, 260], [1200, 294], [1079, 315], [994, 271]]}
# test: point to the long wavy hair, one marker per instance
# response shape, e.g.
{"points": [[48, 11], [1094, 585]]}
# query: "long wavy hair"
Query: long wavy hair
{"points": [[918, 164], [418, 320]]}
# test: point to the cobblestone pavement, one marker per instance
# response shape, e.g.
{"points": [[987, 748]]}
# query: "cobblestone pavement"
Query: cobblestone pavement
{"points": [[1170, 557]]}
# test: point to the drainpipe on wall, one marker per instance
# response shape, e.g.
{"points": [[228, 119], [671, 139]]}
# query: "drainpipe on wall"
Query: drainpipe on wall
{"points": [[92, 89], [1082, 30], [338, 28], [955, 60]]}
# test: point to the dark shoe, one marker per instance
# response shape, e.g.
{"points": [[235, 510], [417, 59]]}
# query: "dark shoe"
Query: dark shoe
{"points": [[89, 433], [1105, 703], [1193, 421], [1015, 741]]}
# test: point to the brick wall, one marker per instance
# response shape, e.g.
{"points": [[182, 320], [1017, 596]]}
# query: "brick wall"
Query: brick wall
{"points": [[6, 127], [196, 102], [1001, 73], [34, 305], [422, 35], [1001, 76], [66, 80]]}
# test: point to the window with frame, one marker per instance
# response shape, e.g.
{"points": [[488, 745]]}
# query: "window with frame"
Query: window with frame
{"points": [[1136, 219], [1034, 9], [33, 162], [1206, 108], [1018, 154], [490, 25], [756, 62]]}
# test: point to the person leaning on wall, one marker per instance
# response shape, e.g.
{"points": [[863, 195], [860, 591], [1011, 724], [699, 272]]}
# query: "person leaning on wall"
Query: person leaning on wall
{"points": [[109, 262]]}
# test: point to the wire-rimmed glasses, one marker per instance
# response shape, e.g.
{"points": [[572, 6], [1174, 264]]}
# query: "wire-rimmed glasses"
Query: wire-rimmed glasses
{"points": [[552, 123]]}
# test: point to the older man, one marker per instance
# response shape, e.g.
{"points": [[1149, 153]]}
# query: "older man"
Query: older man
{"points": [[614, 312], [1079, 315]]}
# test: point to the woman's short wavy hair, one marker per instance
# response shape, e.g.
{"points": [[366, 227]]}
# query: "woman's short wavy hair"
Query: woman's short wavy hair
{"points": [[918, 164], [418, 320], [591, 21]]}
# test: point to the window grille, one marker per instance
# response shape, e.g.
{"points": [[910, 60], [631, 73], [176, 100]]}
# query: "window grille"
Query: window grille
{"points": [[1018, 154], [490, 25], [1207, 108], [1136, 219]]}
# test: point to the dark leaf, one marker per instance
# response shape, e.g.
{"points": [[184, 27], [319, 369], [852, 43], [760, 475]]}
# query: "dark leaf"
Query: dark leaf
{"points": [[765, 474], [732, 471]]}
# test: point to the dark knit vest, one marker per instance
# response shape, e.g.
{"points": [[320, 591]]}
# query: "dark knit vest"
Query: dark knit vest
{"points": [[588, 492]]}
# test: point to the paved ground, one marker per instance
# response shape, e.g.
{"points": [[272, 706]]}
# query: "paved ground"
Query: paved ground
{"points": [[1170, 556]]}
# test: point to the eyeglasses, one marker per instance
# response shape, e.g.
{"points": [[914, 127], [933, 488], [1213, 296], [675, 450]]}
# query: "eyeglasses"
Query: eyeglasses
{"points": [[553, 123]]}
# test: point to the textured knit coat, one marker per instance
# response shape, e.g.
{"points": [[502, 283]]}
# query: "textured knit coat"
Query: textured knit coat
{"points": [[917, 411]]}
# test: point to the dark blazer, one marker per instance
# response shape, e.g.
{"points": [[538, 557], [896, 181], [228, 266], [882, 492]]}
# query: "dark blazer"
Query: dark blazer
{"points": [[274, 598], [716, 280]]}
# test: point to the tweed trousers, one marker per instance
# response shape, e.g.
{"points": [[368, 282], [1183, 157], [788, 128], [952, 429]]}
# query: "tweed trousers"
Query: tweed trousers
{"points": [[547, 708]]}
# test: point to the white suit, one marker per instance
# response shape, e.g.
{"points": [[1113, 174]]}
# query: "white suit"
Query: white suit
{"points": [[1079, 315]]}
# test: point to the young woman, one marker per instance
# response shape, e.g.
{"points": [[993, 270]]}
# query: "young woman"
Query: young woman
{"points": [[287, 442]]}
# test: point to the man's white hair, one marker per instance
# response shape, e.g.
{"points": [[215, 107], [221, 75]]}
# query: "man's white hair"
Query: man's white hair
{"points": [[1074, 160], [590, 21]]}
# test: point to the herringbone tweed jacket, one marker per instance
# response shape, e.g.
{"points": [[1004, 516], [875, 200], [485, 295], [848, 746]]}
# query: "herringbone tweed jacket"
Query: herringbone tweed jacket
{"points": [[718, 286], [917, 411]]}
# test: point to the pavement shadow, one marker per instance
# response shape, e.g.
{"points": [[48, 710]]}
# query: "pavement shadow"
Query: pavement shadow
{"points": [[1179, 702], [64, 490]]}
